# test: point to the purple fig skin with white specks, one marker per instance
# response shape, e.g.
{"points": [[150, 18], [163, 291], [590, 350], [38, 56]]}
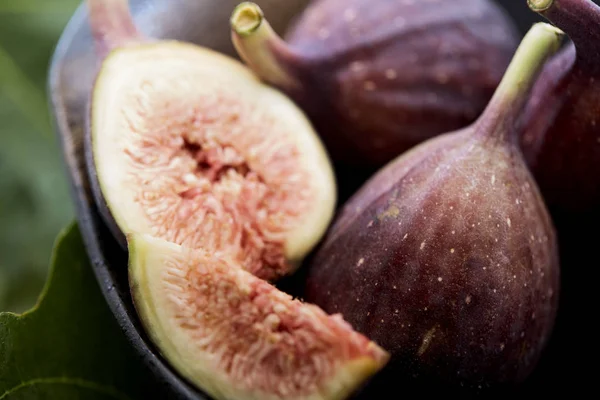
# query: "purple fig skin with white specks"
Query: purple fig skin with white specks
{"points": [[447, 257], [561, 128], [378, 77]]}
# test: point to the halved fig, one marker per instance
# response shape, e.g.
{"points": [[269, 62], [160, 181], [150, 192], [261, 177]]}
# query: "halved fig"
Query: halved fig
{"points": [[186, 144], [238, 337]]}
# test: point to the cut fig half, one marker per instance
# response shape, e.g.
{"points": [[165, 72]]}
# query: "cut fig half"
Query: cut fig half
{"points": [[186, 144], [238, 337]]}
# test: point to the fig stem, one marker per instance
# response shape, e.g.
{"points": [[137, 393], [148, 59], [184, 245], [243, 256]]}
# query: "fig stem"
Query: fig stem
{"points": [[111, 24], [539, 5], [579, 19], [260, 47], [540, 42]]}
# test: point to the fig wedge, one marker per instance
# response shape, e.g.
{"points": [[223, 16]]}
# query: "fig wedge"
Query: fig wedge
{"points": [[238, 337]]}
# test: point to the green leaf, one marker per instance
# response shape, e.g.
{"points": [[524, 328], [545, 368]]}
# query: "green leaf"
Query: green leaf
{"points": [[69, 345]]}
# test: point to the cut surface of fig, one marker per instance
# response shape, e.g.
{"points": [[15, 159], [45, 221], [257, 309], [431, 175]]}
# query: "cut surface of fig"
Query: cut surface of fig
{"points": [[238, 337], [447, 257], [378, 77], [188, 145]]}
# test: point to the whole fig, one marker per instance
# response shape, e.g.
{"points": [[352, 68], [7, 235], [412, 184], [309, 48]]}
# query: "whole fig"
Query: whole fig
{"points": [[447, 257], [561, 127], [377, 77]]}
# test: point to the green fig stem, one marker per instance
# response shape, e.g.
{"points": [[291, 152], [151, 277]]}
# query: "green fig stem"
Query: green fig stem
{"points": [[260, 47], [111, 24], [509, 99], [579, 19], [539, 5]]}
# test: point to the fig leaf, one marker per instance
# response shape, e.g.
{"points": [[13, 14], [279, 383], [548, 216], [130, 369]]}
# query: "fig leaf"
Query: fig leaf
{"points": [[68, 346]]}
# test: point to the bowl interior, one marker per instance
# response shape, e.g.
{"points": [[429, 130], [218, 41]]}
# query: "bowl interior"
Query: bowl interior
{"points": [[204, 22]]}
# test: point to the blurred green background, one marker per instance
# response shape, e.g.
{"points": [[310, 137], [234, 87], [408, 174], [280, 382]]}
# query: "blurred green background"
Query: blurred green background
{"points": [[34, 198]]}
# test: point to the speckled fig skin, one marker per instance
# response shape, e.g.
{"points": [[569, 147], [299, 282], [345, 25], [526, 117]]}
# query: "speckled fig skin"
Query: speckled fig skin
{"points": [[378, 77], [561, 132], [447, 257]]}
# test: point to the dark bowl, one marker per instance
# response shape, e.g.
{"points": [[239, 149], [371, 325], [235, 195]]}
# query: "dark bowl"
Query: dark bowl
{"points": [[70, 80]]}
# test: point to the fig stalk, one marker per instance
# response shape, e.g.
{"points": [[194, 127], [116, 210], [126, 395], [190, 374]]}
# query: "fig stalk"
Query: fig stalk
{"points": [[578, 19], [111, 25], [511, 95], [260, 47]]}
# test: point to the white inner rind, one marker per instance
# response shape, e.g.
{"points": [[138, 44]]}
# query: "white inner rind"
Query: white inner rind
{"points": [[203, 73], [158, 269]]}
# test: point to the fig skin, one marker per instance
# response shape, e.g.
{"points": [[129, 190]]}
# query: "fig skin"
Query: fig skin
{"points": [[378, 77], [447, 257], [561, 126], [125, 210]]}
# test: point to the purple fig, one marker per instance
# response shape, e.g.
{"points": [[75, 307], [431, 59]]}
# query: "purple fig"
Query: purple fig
{"points": [[561, 127], [447, 257], [378, 77]]}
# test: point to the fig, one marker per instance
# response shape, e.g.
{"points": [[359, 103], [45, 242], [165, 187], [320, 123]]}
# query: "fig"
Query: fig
{"points": [[447, 257], [561, 128], [378, 77], [186, 144], [238, 337]]}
